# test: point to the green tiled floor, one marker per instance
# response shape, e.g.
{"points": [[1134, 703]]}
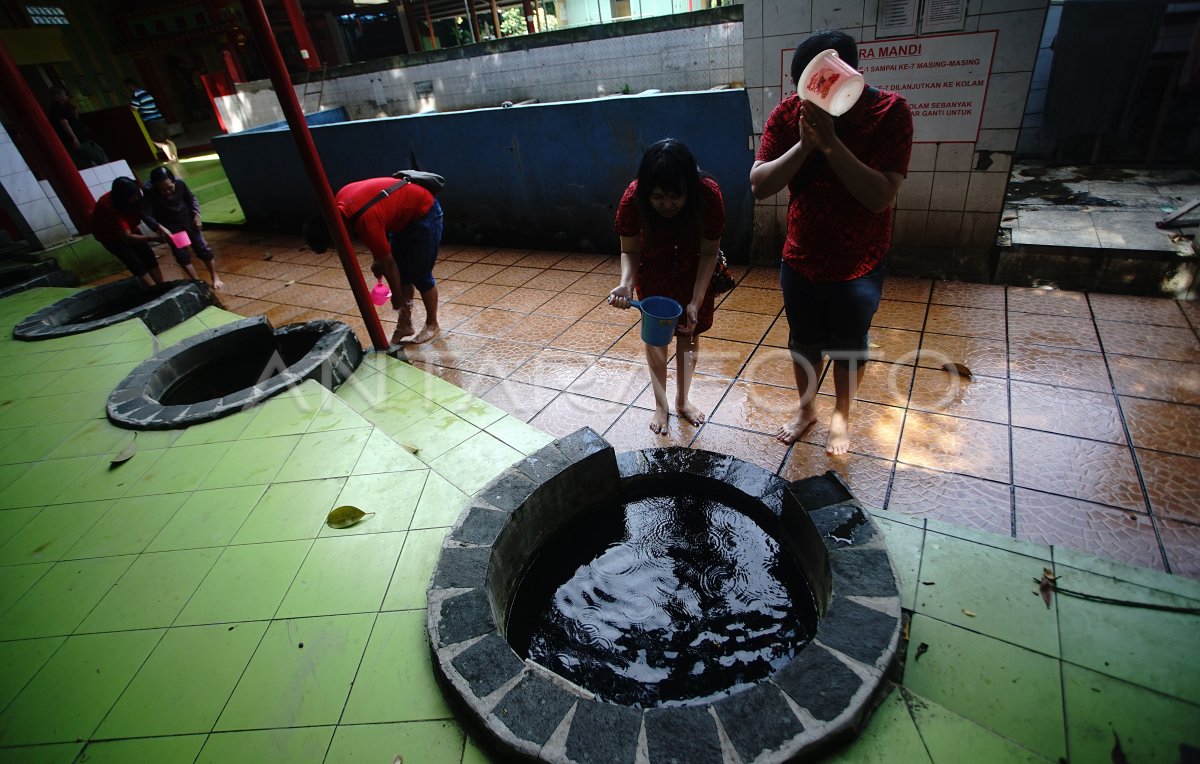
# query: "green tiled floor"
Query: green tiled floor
{"points": [[192, 606]]}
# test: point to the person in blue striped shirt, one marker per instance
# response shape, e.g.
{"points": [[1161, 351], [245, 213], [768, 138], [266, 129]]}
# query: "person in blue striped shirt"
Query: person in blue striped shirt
{"points": [[142, 101]]}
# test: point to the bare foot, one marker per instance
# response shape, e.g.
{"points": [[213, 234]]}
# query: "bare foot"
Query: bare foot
{"points": [[404, 328], [790, 432], [839, 435], [428, 332], [658, 424], [218, 284], [690, 413]]}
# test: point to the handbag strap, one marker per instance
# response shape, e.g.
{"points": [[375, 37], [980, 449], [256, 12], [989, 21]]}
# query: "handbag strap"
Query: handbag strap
{"points": [[377, 198]]}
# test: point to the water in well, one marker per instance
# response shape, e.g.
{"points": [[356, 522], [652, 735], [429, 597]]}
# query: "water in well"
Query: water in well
{"points": [[229, 373], [670, 598]]}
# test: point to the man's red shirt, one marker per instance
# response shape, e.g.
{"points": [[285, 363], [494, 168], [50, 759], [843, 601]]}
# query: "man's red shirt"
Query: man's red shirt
{"points": [[831, 236], [394, 213]]}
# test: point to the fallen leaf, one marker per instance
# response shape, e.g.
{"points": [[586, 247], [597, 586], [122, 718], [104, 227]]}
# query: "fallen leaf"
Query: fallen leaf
{"points": [[957, 368], [408, 447], [874, 345], [293, 281], [125, 455], [1118, 753], [345, 516], [1046, 588], [921, 649], [398, 760], [968, 613], [929, 583], [268, 256]]}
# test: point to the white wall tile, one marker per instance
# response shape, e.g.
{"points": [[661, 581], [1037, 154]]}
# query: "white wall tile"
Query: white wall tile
{"points": [[11, 161], [924, 157], [22, 186], [55, 234], [997, 140], [986, 192], [941, 228], [836, 14], [787, 17], [914, 192], [954, 157], [949, 191], [1017, 40], [39, 214], [1005, 100], [752, 19]]}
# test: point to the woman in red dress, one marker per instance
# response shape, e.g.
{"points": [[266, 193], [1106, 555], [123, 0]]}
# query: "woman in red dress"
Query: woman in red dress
{"points": [[670, 221]]}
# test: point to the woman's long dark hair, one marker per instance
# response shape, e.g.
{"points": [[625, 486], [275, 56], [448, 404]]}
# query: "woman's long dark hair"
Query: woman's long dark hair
{"points": [[161, 173], [670, 166]]}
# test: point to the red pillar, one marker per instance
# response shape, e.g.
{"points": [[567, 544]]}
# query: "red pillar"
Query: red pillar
{"points": [[316, 172], [28, 114], [308, 51], [528, 8]]}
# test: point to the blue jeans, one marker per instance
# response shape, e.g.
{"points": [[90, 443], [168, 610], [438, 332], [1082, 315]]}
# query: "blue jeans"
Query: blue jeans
{"points": [[415, 249], [832, 317]]}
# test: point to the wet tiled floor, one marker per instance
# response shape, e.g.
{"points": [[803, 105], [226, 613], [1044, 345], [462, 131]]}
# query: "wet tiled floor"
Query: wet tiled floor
{"points": [[1080, 427], [1098, 208], [191, 605]]}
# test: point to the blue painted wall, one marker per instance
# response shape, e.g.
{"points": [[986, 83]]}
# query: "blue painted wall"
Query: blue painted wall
{"points": [[543, 176]]}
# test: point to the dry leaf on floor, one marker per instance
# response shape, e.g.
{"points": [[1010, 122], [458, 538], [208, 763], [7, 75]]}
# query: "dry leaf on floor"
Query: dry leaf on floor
{"points": [[346, 516], [1046, 587], [968, 613], [957, 368], [408, 447], [1118, 753], [268, 256], [874, 345], [125, 455], [921, 648]]}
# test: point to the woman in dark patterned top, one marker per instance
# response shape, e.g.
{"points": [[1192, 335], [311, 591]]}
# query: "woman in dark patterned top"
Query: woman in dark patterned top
{"points": [[169, 206], [670, 221], [843, 175]]}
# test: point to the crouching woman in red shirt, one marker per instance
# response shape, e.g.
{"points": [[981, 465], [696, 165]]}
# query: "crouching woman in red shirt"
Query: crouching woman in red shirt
{"points": [[670, 221], [115, 220]]}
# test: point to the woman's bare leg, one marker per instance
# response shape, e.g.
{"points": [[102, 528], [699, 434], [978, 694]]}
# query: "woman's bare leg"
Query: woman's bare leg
{"points": [[656, 357], [805, 374], [686, 349], [839, 422]]}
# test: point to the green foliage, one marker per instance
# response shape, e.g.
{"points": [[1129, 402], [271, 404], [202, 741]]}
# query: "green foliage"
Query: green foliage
{"points": [[512, 22]]}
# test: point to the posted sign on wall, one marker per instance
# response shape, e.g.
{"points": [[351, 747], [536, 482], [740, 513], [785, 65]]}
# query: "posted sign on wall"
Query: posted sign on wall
{"points": [[943, 77]]}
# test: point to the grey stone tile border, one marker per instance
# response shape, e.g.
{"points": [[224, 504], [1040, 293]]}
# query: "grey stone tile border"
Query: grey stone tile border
{"points": [[818, 699], [166, 305], [135, 401]]}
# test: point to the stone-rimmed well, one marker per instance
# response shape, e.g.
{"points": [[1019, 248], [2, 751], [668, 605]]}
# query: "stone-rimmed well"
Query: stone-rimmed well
{"points": [[247, 358], [817, 699], [159, 307], [44, 273]]}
